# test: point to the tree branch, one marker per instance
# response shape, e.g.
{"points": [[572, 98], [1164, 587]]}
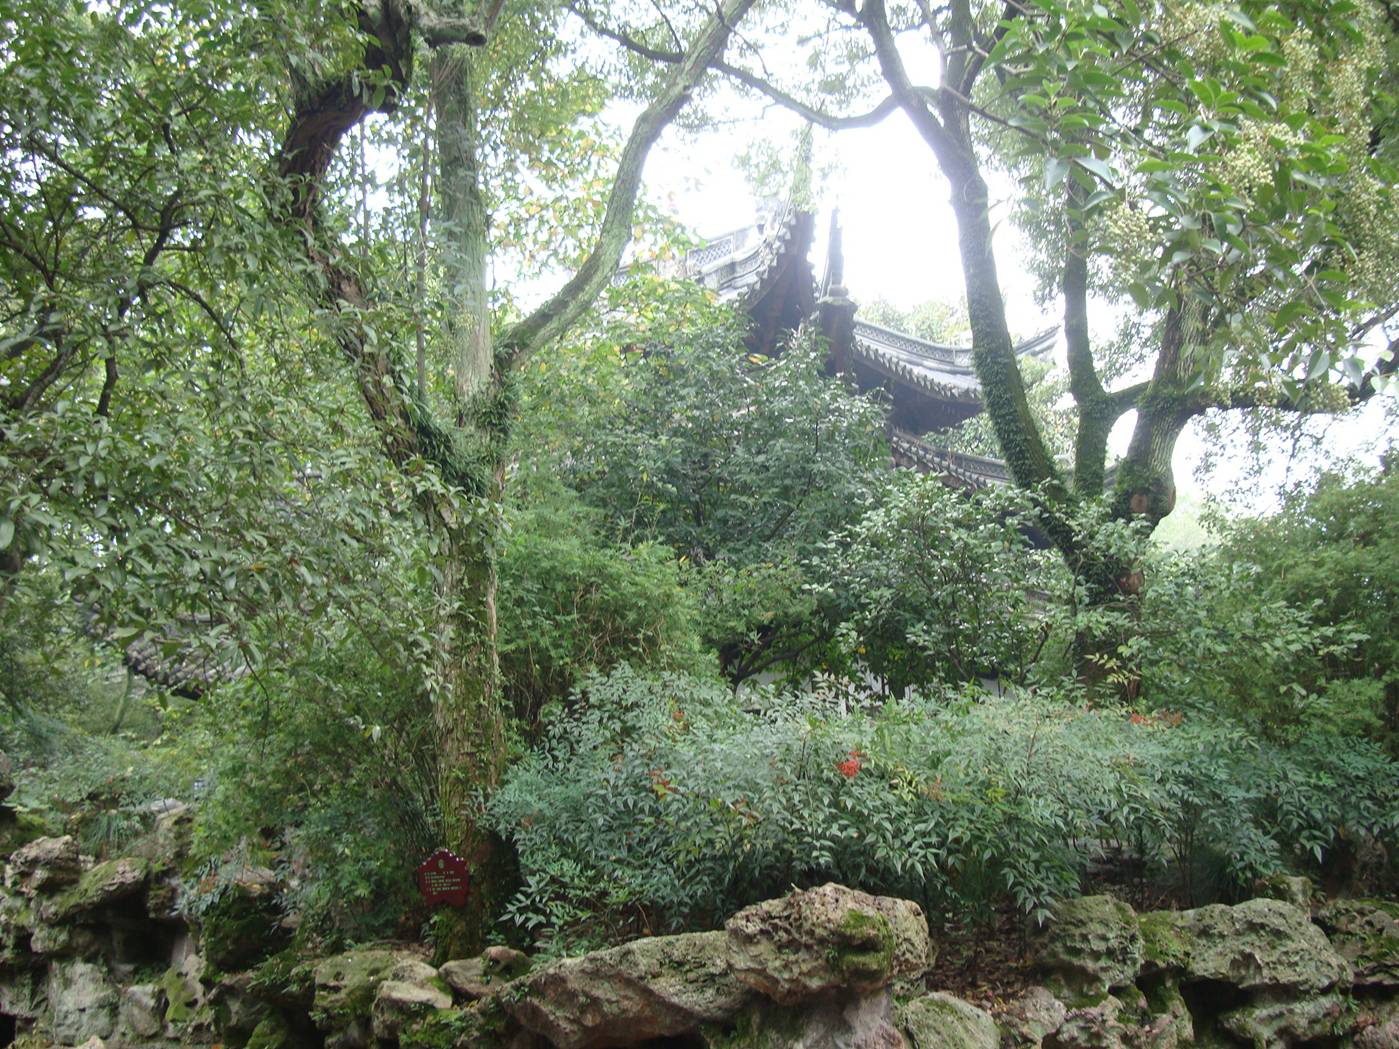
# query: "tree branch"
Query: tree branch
{"points": [[819, 117], [562, 310]]}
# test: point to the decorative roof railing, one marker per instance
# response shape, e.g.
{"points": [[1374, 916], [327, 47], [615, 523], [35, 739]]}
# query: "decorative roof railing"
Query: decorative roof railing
{"points": [[976, 471]]}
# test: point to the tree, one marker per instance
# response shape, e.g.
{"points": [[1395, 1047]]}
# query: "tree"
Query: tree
{"points": [[740, 463], [1249, 150], [461, 440]]}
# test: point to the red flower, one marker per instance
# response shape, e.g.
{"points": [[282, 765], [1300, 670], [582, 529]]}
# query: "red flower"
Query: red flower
{"points": [[850, 767]]}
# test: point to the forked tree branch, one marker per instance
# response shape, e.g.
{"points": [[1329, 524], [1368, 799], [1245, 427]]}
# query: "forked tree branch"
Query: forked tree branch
{"points": [[564, 309]]}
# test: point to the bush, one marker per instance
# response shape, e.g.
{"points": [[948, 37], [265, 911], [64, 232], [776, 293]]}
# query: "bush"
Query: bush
{"points": [[657, 805], [935, 585], [570, 603], [351, 808]]}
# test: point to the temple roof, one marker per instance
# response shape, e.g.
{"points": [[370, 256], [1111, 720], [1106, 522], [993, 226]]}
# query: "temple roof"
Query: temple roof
{"points": [[765, 272], [959, 469]]}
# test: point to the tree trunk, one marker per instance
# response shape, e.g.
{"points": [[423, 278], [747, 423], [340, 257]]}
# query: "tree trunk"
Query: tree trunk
{"points": [[467, 703], [468, 717]]}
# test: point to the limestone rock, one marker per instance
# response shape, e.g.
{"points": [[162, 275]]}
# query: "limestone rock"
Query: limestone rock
{"points": [[93, 1043], [823, 939], [1366, 934], [399, 1003], [1378, 1028], [101, 886], [23, 995], [860, 1022], [272, 1032], [1165, 1022], [645, 989], [1028, 1020], [1092, 944], [45, 864], [141, 1012], [1273, 1024], [243, 925], [1255, 945], [1295, 890], [940, 1021], [473, 978], [84, 1002], [184, 996], [348, 984], [1095, 1024]]}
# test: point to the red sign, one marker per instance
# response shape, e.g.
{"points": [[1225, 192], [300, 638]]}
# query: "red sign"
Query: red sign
{"points": [[443, 878]]}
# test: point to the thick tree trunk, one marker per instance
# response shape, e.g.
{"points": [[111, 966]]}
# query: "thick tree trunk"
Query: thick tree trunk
{"points": [[468, 717]]}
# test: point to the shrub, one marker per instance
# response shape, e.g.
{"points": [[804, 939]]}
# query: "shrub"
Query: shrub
{"points": [[656, 804], [935, 585], [571, 602]]}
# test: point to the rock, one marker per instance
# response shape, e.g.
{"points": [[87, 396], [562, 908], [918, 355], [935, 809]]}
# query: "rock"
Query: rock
{"points": [[1092, 944], [93, 1043], [23, 995], [348, 983], [273, 1032], [163, 896], [243, 925], [506, 960], [651, 988], [1378, 1028], [473, 978], [1093, 1024], [813, 942], [399, 1003], [45, 865], [1294, 890], [1285, 1022], [105, 884], [940, 1021], [1366, 934], [184, 996], [467, 978], [1165, 1022], [1255, 945], [83, 1000], [236, 1006], [1028, 1020], [861, 1022], [141, 1012]]}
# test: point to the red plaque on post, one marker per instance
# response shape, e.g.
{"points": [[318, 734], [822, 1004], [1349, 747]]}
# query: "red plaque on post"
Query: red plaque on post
{"points": [[443, 878]]}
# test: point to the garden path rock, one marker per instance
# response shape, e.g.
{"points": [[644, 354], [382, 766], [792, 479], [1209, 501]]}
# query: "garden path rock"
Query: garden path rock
{"points": [[825, 939]]}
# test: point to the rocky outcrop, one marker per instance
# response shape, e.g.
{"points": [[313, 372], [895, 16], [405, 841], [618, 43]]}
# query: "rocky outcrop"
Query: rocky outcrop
{"points": [[1255, 945], [1092, 944], [90, 954], [1366, 934], [813, 942]]}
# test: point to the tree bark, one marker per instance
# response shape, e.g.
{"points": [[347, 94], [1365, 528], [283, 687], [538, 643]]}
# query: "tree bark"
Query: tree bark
{"points": [[468, 448]]}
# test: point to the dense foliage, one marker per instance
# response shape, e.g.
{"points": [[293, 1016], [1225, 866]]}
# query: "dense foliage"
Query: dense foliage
{"points": [[320, 384], [657, 804]]}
